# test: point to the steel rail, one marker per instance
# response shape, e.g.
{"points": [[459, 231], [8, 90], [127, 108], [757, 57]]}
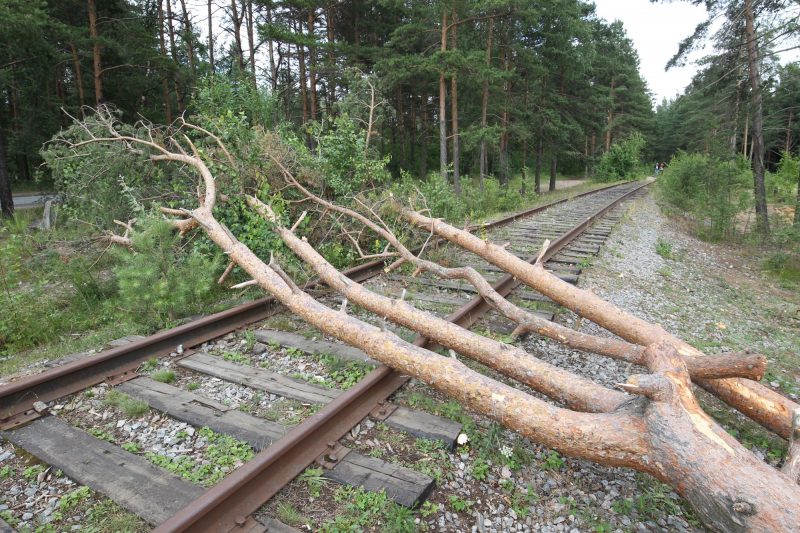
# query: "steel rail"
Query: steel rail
{"points": [[228, 506], [18, 397]]}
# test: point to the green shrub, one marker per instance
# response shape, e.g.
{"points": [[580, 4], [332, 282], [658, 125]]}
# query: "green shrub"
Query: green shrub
{"points": [[782, 185], [709, 189], [160, 282], [622, 160]]}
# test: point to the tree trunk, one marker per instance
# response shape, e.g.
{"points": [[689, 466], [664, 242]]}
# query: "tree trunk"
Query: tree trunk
{"points": [[505, 164], [443, 103], [537, 174], [237, 36], [454, 114], [96, 63], [762, 217], [553, 167], [610, 120], [788, 147], [485, 103], [210, 38], [312, 64], [188, 37], [331, 57], [174, 53], [763, 405], [301, 63], [6, 198], [586, 157], [76, 65], [165, 93], [251, 42], [273, 69]]}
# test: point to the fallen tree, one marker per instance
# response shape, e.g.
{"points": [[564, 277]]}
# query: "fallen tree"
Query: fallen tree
{"points": [[657, 427]]}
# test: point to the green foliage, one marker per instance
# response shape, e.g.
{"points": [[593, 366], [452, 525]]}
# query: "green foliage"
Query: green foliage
{"points": [[132, 447], [132, 407], [73, 498], [664, 249], [480, 468], [236, 357], [460, 505], [192, 386], [782, 185], [290, 516], [314, 480], [623, 160], [164, 376], [553, 461], [223, 454], [709, 189], [366, 510], [785, 266], [344, 161], [160, 282]]}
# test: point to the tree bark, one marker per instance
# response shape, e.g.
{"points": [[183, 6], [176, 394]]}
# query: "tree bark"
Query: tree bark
{"points": [[301, 63], [537, 175], [76, 65], [454, 113], [760, 403], [188, 37], [210, 37], [174, 53], [610, 119], [6, 198], [273, 69], [553, 168], [442, 102], [797, 203], [165, 92], [484, 156], [96, 62], [762, 217], [237, 36], [251, 42], [312, 64]]}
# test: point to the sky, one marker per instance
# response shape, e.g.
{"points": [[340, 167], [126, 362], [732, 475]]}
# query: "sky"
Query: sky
{"points": [[656, 30]]}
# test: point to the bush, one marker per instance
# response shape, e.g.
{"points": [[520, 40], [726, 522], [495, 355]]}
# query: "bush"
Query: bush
{"points": [[782, 185], [160, 282], [622, 160], [711, 190]]}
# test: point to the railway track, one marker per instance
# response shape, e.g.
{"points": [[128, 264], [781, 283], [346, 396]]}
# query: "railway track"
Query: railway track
{"points": [[285, 446]]}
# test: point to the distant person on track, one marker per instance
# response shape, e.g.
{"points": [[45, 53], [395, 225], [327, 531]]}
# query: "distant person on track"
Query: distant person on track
{"points": [[658, 168]]}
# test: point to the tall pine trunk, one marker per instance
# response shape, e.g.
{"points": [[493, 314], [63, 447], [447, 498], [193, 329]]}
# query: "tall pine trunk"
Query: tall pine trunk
{"points": [[553, 167], [174, 53], [312, 65], [454, 114], [76, 65], [273, 69], [537, 173], [762, 218], [164, 79], [443, 103], [188, 37], [484, 156], [210, 37], [251, 42], [237, 36], [610, 125], [96, 63]]}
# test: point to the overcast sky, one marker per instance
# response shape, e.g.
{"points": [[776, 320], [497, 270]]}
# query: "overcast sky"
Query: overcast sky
{"points": [[656, 30]]}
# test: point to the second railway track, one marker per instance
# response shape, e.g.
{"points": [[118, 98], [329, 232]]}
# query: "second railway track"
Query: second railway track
{"points": [[284, 446]]}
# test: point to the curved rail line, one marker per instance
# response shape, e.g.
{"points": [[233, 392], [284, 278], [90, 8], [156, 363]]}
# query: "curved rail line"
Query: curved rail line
{"points": [[229, 505]]}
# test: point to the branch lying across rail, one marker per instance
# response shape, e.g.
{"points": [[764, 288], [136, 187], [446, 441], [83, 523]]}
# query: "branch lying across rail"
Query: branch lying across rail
{"points": [[575, 392], [761, 404], [732, 365]]}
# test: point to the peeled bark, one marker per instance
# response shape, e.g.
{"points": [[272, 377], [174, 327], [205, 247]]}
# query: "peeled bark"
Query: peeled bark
{"points": [[761, 404]]}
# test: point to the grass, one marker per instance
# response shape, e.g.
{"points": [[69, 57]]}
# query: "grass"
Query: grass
{"points": [[664, 249], [290, 516], [785, 267], [164, 376], [132, 407]]}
